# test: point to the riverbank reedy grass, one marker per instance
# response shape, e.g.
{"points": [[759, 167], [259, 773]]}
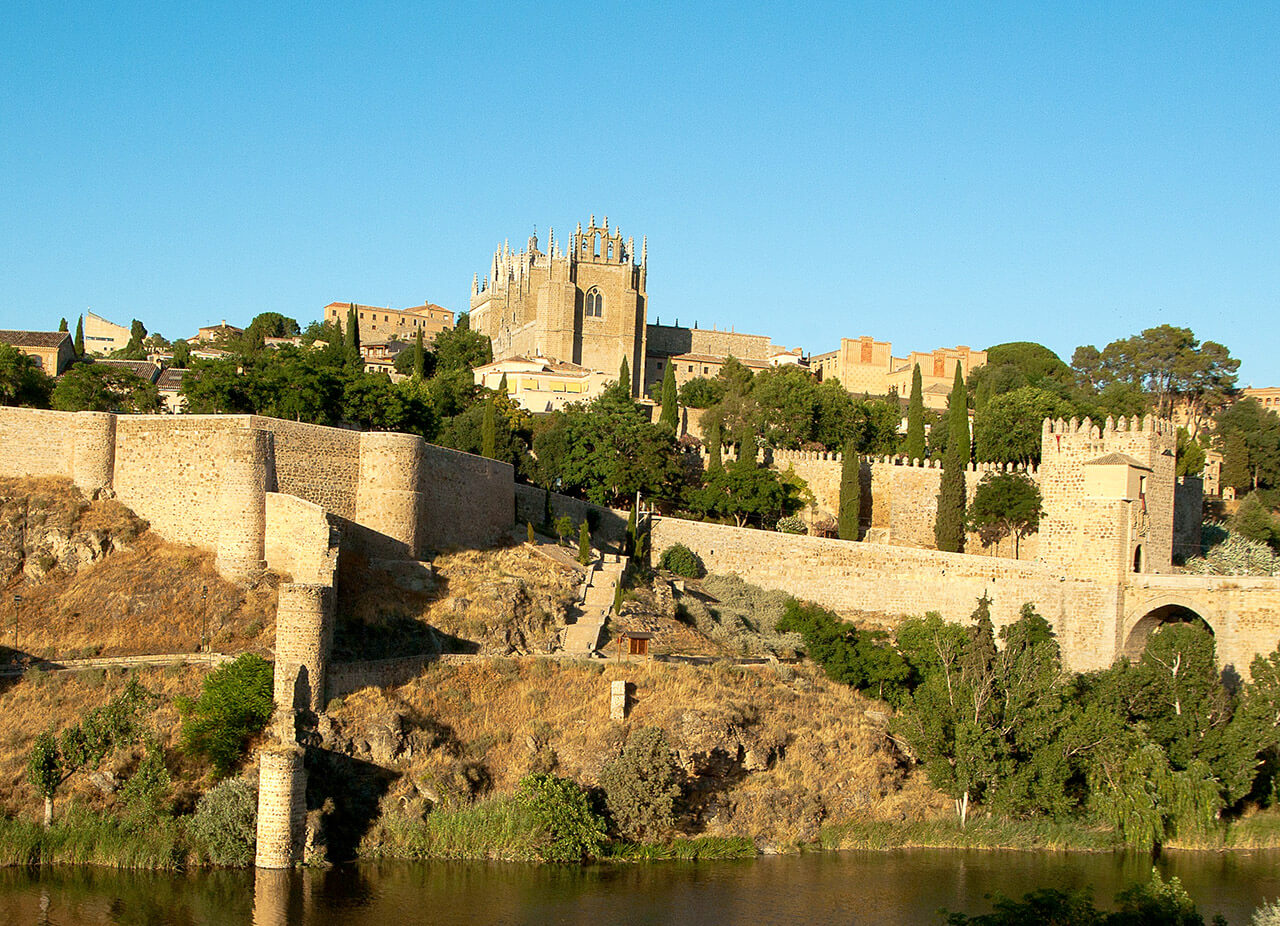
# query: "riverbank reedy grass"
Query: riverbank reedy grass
{"points": [[85, 838], [699, 849], [990, 833]]}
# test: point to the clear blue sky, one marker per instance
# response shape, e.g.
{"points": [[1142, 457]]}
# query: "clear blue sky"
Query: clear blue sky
{"points": [[927, 174]]}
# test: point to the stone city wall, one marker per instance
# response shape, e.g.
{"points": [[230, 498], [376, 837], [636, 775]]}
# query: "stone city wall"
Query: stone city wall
{"points": [[315, 463], [468, 500], [610, 523], [300, 540], [203, 479], [896, 580], [1240, 610]]}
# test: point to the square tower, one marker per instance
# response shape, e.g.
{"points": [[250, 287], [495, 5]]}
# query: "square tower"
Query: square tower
{"points": [[1108, 496], [586, 307]]}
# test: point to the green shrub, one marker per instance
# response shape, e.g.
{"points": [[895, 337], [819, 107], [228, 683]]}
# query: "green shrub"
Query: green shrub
{"points": [[682, 561], [792, 524], [224, 827], [235, 704], [1266, 915], [564, 527], [569, 830], [641, 785]]}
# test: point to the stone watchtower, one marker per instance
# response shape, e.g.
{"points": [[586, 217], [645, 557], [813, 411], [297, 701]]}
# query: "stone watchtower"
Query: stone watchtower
{"points": [[586, 306], [1108, 497]]}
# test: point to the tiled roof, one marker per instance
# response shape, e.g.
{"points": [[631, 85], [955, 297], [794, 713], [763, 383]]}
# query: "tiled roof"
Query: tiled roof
{"points": [[171, 379], [1115, 459], [34, 338], [143, 369]]}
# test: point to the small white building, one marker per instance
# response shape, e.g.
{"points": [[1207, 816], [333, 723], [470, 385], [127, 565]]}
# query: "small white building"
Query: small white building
{"points": [[541, 384]]}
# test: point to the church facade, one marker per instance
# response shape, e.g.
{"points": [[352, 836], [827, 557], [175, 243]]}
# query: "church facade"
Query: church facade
{"points": [[585, 305]]}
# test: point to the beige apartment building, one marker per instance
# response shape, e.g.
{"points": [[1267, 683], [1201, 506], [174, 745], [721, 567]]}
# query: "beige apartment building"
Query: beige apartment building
{"points": [[865, 365], [541, 384], [53, 351], [102, 337], [382, 324]]}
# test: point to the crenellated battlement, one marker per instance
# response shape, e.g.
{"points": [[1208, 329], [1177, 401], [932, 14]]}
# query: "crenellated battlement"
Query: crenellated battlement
{"points": [[1148, 425]]}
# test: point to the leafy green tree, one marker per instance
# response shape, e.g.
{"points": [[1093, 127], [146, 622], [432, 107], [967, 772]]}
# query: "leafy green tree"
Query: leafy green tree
{"points": [[419, 357], [234, 706], [62, 325], [568, 829], [606, 452], [1008, 431], [1190, 455], [847, 524], [584, 543], [224, 825], [948, 528], [135, 349], [641, 786], [745, 492], [22, 382], [1174, 368], [181, 354], [274, 325], [79, 342], [786, 405], [1005, 504], [1249, 437], [95, 387], [1254, 521], [1017, 365], [670, 418], [714, 463], [914, 446], [701, 392], [460, 348], [735, 376], [84, 745], [861, 659], [487, 437]]}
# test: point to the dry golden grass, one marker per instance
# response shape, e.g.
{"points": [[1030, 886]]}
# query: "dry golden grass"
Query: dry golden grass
{"points": [[40, 700], [145, 598], [818, 757], [502, 600]]}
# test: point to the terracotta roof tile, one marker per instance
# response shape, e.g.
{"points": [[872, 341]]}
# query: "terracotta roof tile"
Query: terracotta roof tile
{"points": [[34, 338]]}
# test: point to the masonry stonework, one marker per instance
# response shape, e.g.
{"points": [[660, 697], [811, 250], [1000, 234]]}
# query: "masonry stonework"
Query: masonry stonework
{"points": [[282, 807], [304, 639]]}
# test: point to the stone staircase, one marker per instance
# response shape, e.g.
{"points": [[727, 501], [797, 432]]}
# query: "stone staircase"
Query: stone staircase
{"points": [[582, 637]]}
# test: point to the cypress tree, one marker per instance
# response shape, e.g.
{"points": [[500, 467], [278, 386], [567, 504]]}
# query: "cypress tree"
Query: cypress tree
{"points": [[419, 358], [850, 493], [80, 337], [629, 545], [948, 528], [915, 418], [502, 384], [624, 378], [351, 337], [488, 432], [584, 543], [546, 509], [1236, 471], [670, 411], [62, 325], [714, 465]]}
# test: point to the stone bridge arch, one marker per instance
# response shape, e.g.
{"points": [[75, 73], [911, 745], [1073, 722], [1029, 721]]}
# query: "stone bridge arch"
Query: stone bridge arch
{"points": [[1156, 611]]}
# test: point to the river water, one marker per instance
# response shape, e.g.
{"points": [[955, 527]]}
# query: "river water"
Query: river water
{"points": [[899, 888]]}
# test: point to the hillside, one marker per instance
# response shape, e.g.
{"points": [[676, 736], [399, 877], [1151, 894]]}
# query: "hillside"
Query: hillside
{"points": [[94, 581]]}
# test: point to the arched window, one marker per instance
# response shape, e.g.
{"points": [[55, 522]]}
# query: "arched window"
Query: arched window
{"points": [[594, 304]]}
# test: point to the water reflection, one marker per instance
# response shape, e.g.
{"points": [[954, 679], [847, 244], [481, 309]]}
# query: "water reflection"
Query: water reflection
{"points": [[852, 889]]}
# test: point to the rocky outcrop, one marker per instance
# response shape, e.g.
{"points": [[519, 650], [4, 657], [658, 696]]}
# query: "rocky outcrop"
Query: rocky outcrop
{"points": [[47, 525]]}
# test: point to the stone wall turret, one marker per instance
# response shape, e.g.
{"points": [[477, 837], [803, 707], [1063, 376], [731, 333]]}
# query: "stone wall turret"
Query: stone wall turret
{"points": [[388, 497], [282, 807], [242, 504], [93, 452], [304, 638]]}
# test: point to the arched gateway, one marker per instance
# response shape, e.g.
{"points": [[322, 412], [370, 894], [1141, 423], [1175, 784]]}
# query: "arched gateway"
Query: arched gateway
{"points": [[1140, 623]]}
